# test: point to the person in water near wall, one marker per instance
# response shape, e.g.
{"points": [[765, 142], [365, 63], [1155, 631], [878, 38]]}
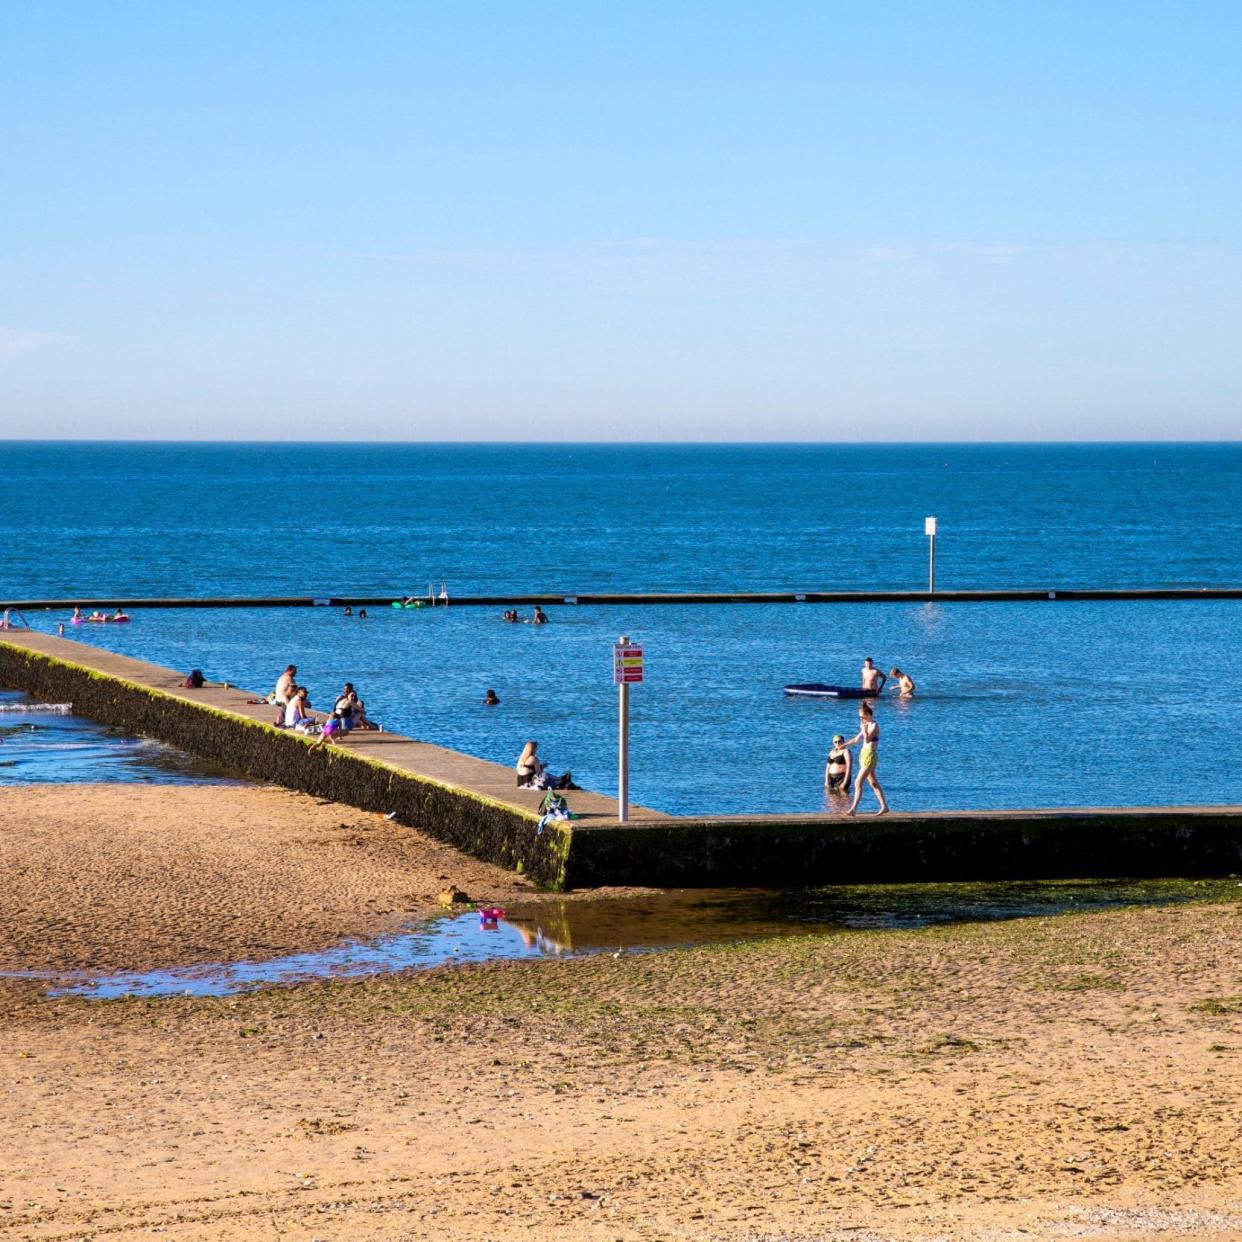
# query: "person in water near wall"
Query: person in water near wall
{"points": [[868, 758], [905, 683], [837, 770], [872, 678], [539, 618]]}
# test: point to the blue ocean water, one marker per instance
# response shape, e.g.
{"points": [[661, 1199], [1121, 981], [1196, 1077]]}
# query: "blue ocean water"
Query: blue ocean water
{"points": [[213, 519], [1018, 705]]}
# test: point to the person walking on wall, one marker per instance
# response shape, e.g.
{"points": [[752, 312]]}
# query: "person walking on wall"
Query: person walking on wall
{"points": [[868, 758]]}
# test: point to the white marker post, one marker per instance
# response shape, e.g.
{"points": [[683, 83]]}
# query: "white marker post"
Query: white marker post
{"points": [[627, 670], [929, 529]]}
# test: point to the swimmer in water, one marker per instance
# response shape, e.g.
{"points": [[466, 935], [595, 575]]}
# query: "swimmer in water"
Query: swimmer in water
{"points": [[868, 758], [905, 683], [539, 618], [490, 699], [872, 678], [837, 771]]}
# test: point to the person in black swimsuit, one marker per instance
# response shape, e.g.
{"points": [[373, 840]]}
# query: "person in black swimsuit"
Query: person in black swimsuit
{"points": [[837, 771]]}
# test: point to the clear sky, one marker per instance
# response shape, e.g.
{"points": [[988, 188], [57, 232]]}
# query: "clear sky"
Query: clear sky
{"points": [[619, 220]]}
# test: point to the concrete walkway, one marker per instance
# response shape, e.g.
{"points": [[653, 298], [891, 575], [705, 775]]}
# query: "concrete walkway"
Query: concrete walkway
{"points": [[448, 768]]}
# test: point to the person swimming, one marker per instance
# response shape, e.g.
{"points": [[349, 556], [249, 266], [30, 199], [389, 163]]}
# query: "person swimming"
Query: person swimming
{"points": [[837, 770], [490, 699], [539, 618], [905, 683]]}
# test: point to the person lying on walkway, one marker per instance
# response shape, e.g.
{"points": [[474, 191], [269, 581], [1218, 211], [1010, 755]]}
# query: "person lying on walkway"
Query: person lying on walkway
{"points": [[286, 683]]}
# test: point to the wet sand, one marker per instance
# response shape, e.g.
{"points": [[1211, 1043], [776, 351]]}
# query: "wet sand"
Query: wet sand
{"points": [[115, 877], [1065, 1077]]}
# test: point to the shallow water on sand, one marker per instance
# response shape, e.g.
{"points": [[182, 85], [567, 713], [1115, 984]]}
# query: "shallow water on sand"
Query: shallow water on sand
{"points": [[656, 920], [43, 743]]}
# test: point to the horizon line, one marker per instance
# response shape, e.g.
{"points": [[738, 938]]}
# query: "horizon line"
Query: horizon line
{"points": [[500, 443]]}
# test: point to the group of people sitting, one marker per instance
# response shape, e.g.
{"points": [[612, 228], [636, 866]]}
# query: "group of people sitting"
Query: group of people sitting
{"points": [[348, 712]]}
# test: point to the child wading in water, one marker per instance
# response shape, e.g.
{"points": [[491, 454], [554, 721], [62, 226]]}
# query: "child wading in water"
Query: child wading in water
{"points": [[869, 735]]}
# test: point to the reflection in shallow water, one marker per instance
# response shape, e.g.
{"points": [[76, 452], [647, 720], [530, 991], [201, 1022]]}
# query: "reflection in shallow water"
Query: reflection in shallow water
{"points": [[652, 921]]}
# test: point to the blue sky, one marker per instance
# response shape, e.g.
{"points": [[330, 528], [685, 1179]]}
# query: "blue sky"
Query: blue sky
{"points": [[622, 221]]}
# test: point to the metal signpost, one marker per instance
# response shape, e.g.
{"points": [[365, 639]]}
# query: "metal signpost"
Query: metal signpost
{"points": [[929, 529], [627, 671]]}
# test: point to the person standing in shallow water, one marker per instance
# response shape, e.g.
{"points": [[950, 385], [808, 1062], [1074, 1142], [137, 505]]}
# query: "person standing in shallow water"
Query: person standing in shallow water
{"points": [[837, 769], [872, 678], [868, 758], [905, 683]]}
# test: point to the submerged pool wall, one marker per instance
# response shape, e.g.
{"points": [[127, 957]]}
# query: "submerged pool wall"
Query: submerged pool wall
{"points": [[479, 825]]}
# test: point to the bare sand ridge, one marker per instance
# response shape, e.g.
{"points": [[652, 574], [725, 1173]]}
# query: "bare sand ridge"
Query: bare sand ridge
{"points": [[1067, 1077]]}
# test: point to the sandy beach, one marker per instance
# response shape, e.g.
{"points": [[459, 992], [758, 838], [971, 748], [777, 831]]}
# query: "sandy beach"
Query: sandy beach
{"points": [[1062, 1077]]}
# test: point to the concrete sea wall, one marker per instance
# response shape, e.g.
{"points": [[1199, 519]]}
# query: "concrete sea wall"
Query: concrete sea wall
{"points": [[475, 806], [938, 846], [480, 825]]}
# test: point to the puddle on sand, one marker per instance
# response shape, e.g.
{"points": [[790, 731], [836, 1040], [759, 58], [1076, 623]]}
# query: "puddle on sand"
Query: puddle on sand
{"points": [[649, 922]]}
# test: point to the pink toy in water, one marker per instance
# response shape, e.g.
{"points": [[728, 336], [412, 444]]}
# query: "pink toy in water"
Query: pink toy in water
{"points": [[489, 916]]}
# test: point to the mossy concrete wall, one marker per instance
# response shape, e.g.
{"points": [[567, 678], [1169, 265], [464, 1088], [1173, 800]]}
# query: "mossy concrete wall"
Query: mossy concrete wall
{"points": [[942, 846], [481, 826]]}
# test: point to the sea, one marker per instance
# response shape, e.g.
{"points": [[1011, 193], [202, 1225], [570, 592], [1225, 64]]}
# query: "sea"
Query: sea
{"points": [[1018, 705]]}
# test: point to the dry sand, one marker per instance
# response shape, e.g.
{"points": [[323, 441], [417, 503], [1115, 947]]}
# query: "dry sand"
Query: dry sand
{"points": [[1068, 1077]]}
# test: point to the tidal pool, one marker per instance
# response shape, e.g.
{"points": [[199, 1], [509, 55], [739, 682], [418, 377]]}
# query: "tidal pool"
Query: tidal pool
{"points": [[649, 922]]}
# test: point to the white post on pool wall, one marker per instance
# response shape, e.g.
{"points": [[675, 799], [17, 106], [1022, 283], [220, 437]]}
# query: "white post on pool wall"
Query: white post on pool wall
{"points": [[929, 529], [627, 670]]}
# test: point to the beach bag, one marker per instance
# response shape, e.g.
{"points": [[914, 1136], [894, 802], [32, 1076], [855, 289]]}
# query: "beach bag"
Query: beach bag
{"points": [[553, 804], [194, 681]]}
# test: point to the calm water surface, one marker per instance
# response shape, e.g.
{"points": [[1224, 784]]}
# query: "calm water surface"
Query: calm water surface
{"points": [[1019, 705], [651, 921]]}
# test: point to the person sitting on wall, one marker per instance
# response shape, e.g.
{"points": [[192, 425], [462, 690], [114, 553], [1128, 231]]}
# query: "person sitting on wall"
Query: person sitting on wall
{"points": [[297, 712], [532, 774]]}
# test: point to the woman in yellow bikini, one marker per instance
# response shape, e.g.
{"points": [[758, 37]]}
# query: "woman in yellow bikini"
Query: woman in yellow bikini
{"points": [[869, 735]]}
